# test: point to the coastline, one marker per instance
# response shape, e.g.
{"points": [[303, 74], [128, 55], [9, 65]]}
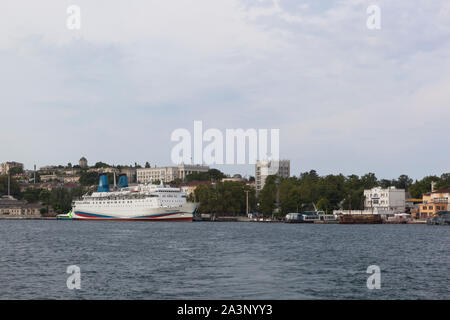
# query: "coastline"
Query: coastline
{"points": [[218, 219], [26, 218]]}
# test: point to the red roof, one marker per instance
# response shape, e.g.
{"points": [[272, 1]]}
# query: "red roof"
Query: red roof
{"points": [[447, 190]]}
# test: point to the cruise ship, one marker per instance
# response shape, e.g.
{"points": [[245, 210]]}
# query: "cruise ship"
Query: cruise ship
{"points": [[144, 202]]}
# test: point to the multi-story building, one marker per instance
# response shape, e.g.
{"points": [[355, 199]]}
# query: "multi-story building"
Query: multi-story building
{"points": [[6, 166], [387, 201], [168, 174], [265, 168], [434, 202]]}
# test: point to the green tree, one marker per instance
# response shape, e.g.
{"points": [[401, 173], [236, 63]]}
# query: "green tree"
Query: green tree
{"points": [[31, 195], [14, 186], [403, 182], [16, 170], [44, 197], [100, 164], [324, 205], [88, 178]]}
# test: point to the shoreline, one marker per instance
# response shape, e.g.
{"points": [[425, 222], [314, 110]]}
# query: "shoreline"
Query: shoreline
{"points": [[26, 218], [221, 219]]}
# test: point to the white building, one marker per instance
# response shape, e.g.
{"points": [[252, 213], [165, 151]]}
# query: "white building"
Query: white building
{"points": [[168, 174], [385, 201], [265, 168]]}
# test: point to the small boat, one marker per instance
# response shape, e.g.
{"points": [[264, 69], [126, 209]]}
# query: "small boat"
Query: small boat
{"points": [[360, 219], [64, 216], [310, 217], [399, 218], [441, 218]]}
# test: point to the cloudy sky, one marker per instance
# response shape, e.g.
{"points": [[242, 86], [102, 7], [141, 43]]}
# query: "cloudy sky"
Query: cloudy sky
{"points": [[345, 98]]}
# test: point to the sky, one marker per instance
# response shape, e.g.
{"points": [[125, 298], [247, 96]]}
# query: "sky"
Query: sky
{"points": [[346, 98]]}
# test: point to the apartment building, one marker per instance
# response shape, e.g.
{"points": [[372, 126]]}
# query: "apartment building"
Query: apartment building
{"points": [[265, 168]]}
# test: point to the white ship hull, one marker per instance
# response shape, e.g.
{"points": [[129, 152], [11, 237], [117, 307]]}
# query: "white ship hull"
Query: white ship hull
{"points": [[184, 212]]}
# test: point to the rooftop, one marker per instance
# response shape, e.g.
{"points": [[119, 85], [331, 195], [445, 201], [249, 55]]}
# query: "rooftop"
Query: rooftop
{"points": [[446, 190]]}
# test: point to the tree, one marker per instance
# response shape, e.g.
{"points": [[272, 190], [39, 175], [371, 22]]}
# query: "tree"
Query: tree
{"points": [[369, 181], [403, 182], [100, 164], [210, 175], [14, 186], [88, 178], [16, 170], [267, 196], [444, 181], [147, 165], [323, 205], [32, 195], [385, 183], [227, 198], [419, 187], [215, 175], [44, 197]]}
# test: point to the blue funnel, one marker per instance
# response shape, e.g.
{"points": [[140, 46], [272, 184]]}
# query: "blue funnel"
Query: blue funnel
{"points": [[123, 181], [103, 185]]}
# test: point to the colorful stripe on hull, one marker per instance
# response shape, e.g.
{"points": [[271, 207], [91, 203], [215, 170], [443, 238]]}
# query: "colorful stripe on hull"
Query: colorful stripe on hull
{"points": [[156, 217]]}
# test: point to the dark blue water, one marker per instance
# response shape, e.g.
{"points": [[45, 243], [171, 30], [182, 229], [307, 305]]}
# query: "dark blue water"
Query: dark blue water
{"points": [[145, 260]]}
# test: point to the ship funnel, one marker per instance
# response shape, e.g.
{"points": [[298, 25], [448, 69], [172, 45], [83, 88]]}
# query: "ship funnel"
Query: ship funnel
{"points": [[103, 185], [123, 181]]}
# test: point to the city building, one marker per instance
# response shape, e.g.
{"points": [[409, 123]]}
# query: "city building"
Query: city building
{"points": [[105, 170], [387, 201], [235, 178], [48, 168], [83, 162], [71, 179], [6, 166], [434, 202], [10, 206], [168, 174], [49, 177], [266, 168]]}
